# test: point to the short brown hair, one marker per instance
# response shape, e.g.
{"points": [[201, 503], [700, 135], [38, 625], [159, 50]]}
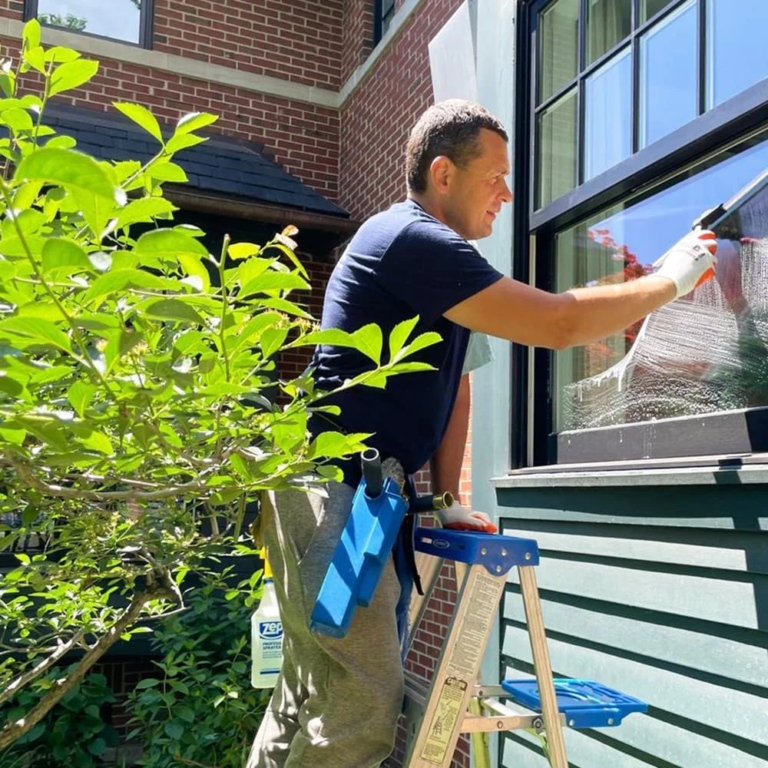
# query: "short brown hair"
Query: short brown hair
{"points": [[450, 128]]}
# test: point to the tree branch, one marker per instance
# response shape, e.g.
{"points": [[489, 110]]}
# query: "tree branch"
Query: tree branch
{"points": [[41, 668], [12, 731]]}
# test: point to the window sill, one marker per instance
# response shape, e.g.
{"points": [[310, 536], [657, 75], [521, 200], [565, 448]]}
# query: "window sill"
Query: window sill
{"points": [[705, 470]]}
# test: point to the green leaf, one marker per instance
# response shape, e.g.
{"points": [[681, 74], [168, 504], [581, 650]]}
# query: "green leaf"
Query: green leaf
{"points": [[41, 330], [169, 244], [173, 309], [331, 472], [98, 441], [183, 141], [400, 334], [194, 121], [335, 445], [274, 281], [185, 713], [119, 345], [72, 74], [31, 34], [142, 116], [271, 340], [422, 341], [118, 279], [62, 253], [61, 142], [97, 210], [80, 395], [147, 682], [239, 251], [59, 55], [8, 82], [144, 210], [291, 255], [69, 169], [167, 171], [194, 267], [286, 306], [97, 746], [17, 119], [35, 58], [369, 341], [174, 729]]}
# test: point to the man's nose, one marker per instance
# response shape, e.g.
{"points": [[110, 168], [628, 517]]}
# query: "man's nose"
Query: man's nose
{"points": [[506, 195]]}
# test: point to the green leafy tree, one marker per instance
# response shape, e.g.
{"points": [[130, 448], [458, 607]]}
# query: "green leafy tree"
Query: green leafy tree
{"points": [[136, 424], [70, 21]]}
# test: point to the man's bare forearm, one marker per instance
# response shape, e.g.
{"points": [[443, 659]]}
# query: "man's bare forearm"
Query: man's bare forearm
{"points": [[445, 465], [594, 313]]}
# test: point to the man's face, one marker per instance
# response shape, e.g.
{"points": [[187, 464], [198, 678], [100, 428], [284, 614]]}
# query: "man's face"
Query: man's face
{"points": [[476, 193]]}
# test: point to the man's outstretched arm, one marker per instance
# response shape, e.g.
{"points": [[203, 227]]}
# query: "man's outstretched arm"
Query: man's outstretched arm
{"points": [[518, 312]]}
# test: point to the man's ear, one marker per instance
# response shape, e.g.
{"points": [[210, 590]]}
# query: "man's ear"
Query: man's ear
{"points": [[441, 170]]}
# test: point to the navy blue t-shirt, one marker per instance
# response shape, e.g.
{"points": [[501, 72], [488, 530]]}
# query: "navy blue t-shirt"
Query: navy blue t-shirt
{"points": [[401, 263]]}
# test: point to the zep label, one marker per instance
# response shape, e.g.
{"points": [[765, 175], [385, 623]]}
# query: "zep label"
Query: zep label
{"points": [[271, 630]]}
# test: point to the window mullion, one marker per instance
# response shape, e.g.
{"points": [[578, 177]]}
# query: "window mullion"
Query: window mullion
{"points": [[701, 54]]}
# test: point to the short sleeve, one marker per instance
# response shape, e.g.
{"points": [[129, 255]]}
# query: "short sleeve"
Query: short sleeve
{"points": [[432, 269]]}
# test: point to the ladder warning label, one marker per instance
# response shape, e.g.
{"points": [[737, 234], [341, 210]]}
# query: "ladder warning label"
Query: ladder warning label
{"points": [[443, 723]]}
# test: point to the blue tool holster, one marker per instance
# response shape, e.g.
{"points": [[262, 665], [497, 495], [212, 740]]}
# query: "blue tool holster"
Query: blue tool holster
{"points": [[361, 554]]}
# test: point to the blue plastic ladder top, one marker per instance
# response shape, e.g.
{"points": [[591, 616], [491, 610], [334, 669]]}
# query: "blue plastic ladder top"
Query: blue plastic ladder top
{"points": [[584, 703]]}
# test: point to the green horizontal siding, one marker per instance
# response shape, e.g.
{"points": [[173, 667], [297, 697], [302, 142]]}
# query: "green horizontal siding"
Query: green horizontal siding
{"points": [[661, 593]]}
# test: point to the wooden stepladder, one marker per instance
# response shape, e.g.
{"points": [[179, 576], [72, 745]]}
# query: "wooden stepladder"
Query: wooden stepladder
{"points": [[454, 702]]}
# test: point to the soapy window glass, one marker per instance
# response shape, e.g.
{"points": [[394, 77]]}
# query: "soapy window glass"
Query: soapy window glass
{"points": [[116, 19], [701, 354]]}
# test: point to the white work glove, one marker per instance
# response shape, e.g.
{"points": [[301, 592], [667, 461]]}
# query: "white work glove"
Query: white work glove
{"points": [[464, 519], [690, 262]]}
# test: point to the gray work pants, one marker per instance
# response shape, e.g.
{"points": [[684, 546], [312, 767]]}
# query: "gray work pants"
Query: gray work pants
{"points": [[337, 701]]}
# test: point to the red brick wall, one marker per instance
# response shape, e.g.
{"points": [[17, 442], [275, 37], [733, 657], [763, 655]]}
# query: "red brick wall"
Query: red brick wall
{"points": [[378, 116], [357, 35], [297, 40]]}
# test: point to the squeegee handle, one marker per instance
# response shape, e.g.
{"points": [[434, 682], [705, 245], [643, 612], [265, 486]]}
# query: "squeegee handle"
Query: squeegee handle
{"points": [[374, 479]]}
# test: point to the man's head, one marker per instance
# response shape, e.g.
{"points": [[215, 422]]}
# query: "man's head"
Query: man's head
{"points": [[456, 161]]}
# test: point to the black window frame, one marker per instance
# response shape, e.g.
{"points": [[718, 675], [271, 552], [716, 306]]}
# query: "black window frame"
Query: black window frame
{"points": [[146, 19], [383, 13], [533, 443]]}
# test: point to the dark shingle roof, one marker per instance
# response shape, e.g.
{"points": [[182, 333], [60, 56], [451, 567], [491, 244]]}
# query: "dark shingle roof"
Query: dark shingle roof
{"points": [[220, 165]]}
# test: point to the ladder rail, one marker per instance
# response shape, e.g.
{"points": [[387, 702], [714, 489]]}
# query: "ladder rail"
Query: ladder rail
{"points": [[549, 707]]}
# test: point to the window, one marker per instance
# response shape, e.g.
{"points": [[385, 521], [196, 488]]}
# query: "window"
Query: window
{"points": [[699, 355], [622, 74], [384, 11], [641, 117], [126, 20]]}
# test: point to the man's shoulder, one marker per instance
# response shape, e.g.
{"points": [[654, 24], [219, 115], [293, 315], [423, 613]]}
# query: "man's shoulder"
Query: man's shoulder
{"points": [[407, 224]]}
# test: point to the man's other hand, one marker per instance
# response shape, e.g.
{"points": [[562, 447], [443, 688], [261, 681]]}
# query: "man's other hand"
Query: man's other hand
{"points": [[461, 518]]}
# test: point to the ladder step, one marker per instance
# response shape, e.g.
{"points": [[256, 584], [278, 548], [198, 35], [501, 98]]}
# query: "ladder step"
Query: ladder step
{"points": [[497, 553], [585, 703]]}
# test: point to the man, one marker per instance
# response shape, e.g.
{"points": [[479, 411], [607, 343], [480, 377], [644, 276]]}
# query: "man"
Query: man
{"points": [[337, 703]]}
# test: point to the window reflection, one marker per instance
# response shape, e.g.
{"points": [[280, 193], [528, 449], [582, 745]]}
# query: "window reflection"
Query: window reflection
{"points": [[700, 354], [666, 102], [559, 46], [608, 109], [118, 19], [608, 23], [557, 149], [736, 55]]}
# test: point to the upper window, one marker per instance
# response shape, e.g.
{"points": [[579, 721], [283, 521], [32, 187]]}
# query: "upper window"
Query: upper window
{"points": [[124, 20], [384, 13], [614, 76]]}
